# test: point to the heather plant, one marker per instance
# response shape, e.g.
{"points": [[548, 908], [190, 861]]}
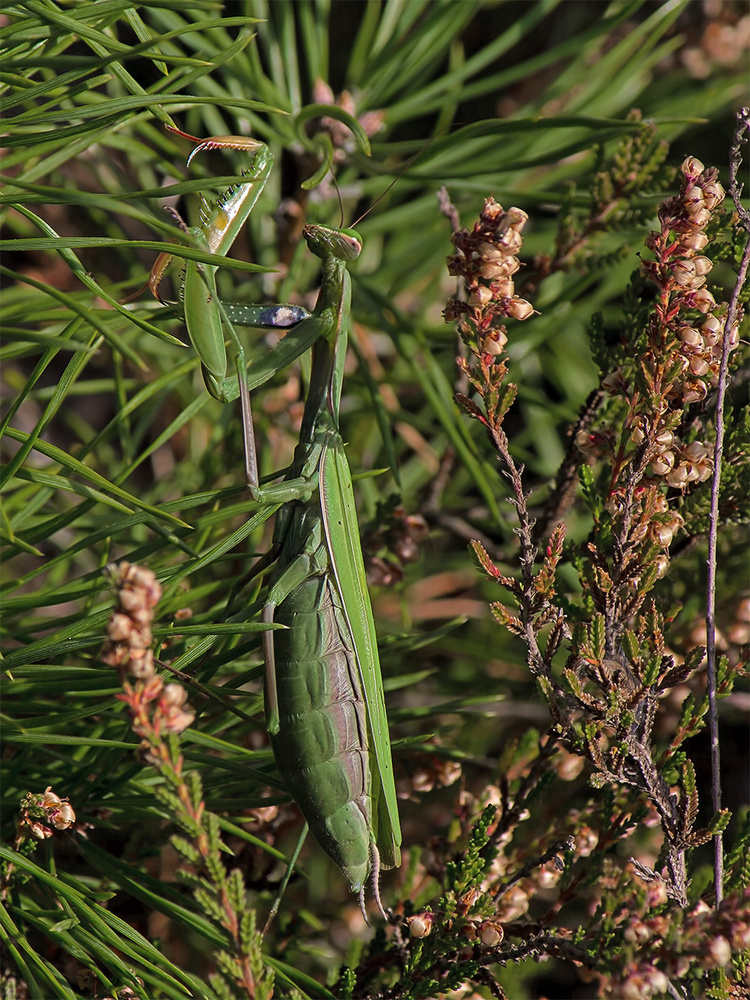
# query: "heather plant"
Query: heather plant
{"points": [[549, 446], [604, 697]]}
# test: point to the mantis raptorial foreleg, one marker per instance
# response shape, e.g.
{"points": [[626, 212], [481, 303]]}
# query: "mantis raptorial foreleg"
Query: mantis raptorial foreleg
{"points": [[210, 322]]}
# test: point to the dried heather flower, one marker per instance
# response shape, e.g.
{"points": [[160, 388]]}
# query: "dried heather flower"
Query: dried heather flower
{"points": [[262, 815], [719, 952], [685, 337], [516, 901], [661, 564], [494, 343], [420, 925], [592, 444], [59, 811], [171, 702], [383, 572], [39, 813], [615, 383], [662, 532], [449, 771], [663, 463], [694, 392], [490, 933], [586, 840], [690, 337], [154, 706], [486, 258], [520, 308], [129, 638]]}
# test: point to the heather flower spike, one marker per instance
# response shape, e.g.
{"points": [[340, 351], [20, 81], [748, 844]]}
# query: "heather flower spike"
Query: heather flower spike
{"points": [[674, 369], [158, 713], [486, 259], [154, 707]]}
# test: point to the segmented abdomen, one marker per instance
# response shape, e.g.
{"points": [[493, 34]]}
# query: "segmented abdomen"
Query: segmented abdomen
{"points": [[321, 748]]}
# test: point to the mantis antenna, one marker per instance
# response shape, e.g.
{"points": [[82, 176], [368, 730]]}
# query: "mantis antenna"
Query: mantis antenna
{"points": [[409, 163]]}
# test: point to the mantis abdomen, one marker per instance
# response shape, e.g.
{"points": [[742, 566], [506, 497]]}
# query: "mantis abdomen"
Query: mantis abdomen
{"points": [[322, 744]]}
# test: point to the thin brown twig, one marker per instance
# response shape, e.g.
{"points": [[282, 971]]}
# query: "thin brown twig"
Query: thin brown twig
{"points": [[735, 190]]}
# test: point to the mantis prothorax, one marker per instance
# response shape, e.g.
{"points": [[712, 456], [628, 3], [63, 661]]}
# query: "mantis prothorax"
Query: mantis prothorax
{"points": [[323, 687]]}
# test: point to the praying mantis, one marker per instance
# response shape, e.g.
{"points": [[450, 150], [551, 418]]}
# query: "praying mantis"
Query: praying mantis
{"points": [[324, 701]]}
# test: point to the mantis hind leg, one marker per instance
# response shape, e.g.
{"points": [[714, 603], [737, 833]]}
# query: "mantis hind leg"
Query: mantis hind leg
{"points": [[285, 881]]}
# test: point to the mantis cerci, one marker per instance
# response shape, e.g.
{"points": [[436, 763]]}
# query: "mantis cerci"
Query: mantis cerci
{"points": [[325, 709]]}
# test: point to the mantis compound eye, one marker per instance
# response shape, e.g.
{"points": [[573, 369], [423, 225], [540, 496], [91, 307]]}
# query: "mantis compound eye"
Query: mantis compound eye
{"points": [[342, 244]]}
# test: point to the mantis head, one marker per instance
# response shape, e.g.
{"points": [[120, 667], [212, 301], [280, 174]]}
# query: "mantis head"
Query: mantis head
{"points": [[342, 244]]}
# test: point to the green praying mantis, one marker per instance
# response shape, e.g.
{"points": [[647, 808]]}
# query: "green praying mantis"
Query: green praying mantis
{"points": [[325, 709]]}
